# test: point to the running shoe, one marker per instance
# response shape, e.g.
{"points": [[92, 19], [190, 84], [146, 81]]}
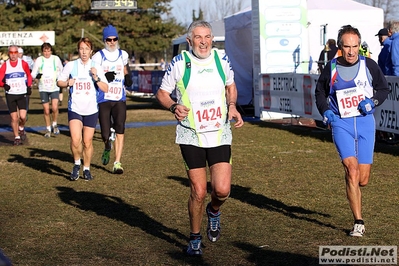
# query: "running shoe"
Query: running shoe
{"points": [[87, 175], [48, 134], [75, 173], [117, 168], [17, 142], [22, 134], [105, 156], [357, 230], [56, 131], [194, 247], [213, 227]]}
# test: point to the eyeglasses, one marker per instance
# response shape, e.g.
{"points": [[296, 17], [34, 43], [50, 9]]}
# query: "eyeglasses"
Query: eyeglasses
{"points": [[13, 52], [112, 39]]}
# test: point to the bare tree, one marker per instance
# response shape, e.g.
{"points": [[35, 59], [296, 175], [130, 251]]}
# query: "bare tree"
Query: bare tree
{"points": [[217, 10], [390, 7]]}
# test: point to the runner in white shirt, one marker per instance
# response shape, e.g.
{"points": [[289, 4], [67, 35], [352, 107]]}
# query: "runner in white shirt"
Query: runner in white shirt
{"points": [[46, 70], [112, 105], [84, 79], [206, 102]]}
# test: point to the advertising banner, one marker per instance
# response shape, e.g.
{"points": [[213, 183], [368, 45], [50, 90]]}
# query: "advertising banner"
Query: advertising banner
{"points": [[294, 94], [26, 38]]}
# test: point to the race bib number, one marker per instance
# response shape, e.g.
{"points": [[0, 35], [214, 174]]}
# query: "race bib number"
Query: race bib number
{"points": [[348, 101], [48, 83], [115, 92], [207, 115], [17, 85], [83, 87]]}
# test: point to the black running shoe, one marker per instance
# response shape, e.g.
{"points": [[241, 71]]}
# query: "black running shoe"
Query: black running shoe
{"points": [[75, 173]]}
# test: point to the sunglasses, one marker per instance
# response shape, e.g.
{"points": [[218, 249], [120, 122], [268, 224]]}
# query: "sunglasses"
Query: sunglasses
{"points": [[13, 52], [112, 39]]}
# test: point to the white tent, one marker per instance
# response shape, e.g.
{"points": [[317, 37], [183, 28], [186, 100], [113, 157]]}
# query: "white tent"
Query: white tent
{"points": [[240, 44], [369, 20]]}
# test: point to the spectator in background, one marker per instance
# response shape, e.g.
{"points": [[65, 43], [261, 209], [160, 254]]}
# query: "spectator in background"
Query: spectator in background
{"points": [[384, 57], [330, 50], [385, 63], [393, 30], [84, 79], [16, 79], [46, 70], [133, 60], [162, 64], [142, 61], [27, 59], [112, 104]]}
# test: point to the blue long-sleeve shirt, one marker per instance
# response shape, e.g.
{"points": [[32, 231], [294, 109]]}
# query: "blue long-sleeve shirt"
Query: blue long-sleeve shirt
{"points": [[384, 58]]}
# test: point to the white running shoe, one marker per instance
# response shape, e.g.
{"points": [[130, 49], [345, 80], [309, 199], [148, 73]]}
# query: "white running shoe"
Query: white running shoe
{"points": [[357, 230], [56, 130]]}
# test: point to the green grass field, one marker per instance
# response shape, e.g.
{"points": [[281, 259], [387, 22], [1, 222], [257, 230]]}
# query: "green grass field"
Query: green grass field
{"points": [[287, 198]]}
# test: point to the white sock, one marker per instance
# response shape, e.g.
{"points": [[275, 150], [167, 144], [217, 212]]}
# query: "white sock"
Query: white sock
{"points": [[77, 162]]}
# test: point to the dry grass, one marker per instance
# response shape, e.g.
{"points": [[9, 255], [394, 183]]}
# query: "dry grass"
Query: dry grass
{"points": [[287, 199]]}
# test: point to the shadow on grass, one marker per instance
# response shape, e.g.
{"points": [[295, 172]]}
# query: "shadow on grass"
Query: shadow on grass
{"points": [[41, 165], [263, 256], [243, 194], [116, 209], [47, 166], [61, 156]]}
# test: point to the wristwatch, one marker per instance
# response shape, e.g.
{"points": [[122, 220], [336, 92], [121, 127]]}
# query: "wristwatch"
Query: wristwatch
{"points": [[173, 107], [375, 101], [98, 80]]}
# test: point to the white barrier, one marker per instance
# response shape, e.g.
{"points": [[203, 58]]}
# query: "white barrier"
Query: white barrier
{"points": [[137, 66], [293, 94]]}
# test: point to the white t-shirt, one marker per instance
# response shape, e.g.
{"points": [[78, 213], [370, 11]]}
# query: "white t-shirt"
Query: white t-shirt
{"points": [[83, 93], [50, 68], [204, 93], [113, 61]]}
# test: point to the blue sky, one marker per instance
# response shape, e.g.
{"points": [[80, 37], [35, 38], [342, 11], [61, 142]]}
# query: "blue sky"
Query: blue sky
{"points": [[182, 9]]}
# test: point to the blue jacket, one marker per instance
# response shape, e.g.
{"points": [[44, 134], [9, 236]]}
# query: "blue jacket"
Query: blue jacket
{"points": [[395, 53], [384, 58]]}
